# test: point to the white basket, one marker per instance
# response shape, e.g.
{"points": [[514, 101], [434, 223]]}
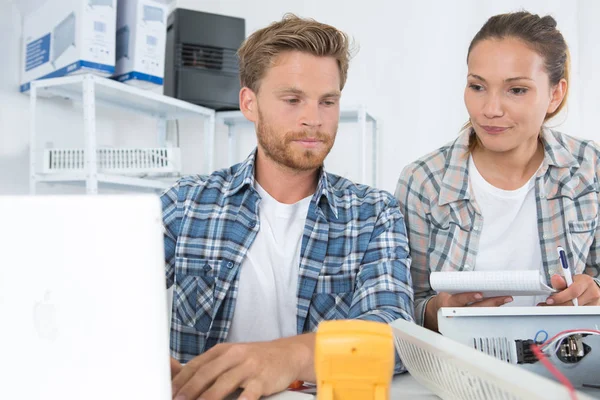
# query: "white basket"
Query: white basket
{"points": [[455, 371], [132, 161]]}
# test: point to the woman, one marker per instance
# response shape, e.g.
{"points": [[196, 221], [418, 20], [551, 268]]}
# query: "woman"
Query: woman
{"points": [[509, 191]]}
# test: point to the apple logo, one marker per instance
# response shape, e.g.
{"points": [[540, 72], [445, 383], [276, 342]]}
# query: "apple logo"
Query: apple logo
{"points": [[44, 316]]}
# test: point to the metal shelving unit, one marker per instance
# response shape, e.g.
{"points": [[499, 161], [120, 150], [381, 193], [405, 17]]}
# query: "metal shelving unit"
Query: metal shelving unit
{"points": [[92, 91], [347, 114]]}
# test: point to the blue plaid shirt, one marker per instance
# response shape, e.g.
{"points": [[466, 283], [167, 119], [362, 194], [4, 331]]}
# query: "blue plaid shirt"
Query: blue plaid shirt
{"points": [[354, 260]]}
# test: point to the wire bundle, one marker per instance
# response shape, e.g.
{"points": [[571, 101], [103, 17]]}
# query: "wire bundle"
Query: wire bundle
{"points": [[551, 346]]}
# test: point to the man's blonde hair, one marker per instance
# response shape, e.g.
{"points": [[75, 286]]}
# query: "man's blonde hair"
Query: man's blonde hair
{"points": [[259, 50]]}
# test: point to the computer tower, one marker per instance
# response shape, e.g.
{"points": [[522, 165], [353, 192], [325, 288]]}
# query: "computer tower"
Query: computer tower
{"points": [[122, 45], [201, 64]]}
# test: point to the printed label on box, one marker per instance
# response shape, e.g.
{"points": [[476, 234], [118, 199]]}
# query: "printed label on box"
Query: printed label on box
{"points": [[38, 52]]}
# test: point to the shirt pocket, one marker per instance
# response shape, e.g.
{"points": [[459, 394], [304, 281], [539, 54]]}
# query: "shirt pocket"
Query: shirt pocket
{"points": [[335, 283], [193, 295], [580, 237], [450, 231], [333, 295]]}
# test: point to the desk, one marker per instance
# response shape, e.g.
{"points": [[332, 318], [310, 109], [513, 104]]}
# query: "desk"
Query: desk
{"points": [[403, 387]]}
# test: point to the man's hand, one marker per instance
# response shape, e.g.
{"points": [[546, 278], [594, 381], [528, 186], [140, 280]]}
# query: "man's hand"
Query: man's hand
{"points": [[584, 289], [175, 368], [469, 299], [259, 368]]}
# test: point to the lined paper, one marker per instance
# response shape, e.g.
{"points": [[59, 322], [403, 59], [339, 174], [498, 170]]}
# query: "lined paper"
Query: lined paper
{"points": [[491, 283]]}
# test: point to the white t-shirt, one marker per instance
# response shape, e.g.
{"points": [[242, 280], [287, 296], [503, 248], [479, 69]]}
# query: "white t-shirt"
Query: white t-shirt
{"points": [[266, 304], [509, 236]]}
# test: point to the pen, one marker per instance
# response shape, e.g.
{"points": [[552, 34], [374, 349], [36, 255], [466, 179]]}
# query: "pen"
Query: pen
{"points": [[562, 256]]}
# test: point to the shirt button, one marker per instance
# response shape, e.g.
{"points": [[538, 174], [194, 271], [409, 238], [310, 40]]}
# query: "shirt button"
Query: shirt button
{"points": [[207, 268], [252, 224], [229, 265]]}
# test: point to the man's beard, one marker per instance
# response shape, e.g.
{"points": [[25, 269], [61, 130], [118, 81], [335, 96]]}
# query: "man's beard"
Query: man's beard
{"points": [[279, 148]]}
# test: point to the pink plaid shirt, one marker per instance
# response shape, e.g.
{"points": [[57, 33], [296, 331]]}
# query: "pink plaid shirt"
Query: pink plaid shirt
{"points": [[444, 223]]}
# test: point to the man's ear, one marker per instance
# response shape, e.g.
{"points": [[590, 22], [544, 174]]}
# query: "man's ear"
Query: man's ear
{"points": [[248, 104]]}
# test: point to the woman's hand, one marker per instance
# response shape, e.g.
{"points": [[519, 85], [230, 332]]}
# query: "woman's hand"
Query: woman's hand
{"points": [[584, 289], [469, 299]]}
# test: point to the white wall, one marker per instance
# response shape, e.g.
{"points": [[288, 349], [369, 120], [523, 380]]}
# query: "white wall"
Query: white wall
{"points": [[13, 108], [409, 72], [589, 67]]}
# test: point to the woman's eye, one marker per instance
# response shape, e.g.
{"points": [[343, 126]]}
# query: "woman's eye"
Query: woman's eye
{"points": [[518, 91]]}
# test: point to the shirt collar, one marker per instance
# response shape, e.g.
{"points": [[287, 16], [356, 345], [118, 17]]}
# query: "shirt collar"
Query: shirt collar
{"points": [[455, 183], [556, 152], [243, 177]]}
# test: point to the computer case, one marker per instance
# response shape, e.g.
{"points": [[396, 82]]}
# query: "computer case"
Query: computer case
{"points": [[201, 64], [122, 45]]}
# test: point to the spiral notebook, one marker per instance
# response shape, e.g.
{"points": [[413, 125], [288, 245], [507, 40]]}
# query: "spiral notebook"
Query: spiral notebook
{"points": [[491, 283]]}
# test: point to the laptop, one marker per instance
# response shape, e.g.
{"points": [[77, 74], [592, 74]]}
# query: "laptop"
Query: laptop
{"points": [[83, 305]]}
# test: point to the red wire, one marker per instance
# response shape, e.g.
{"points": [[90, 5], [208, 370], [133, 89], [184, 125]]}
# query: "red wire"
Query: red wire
{"points": [[563, 379]]}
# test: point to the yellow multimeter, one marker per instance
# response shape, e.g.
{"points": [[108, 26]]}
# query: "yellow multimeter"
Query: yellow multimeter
{"points": [[354, 360]]}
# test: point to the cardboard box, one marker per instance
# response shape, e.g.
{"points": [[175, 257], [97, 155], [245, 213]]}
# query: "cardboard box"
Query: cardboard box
{"points": [[140, 42], [65, 37]]}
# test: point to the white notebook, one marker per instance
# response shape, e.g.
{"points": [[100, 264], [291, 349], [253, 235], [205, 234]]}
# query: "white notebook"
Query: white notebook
{"points": [[491, 283]]}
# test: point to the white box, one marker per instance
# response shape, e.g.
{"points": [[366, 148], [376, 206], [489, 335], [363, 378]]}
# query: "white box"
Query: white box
{"points": [[124, 161], [65, 37], [140, 42]]}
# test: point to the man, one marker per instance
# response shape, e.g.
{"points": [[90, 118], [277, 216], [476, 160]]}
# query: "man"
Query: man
{"points": [[263, 251]]}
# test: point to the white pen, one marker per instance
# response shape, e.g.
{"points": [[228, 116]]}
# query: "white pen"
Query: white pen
{"points": [[562, 256]]}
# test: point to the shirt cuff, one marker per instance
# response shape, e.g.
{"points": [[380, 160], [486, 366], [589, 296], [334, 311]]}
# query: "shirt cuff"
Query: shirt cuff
{"points": [[420, 307]]}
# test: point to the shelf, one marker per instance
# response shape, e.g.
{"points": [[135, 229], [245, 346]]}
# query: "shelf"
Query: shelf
{"points": [[347, 114], [93, 91], [119, 95], [123, 180]]}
